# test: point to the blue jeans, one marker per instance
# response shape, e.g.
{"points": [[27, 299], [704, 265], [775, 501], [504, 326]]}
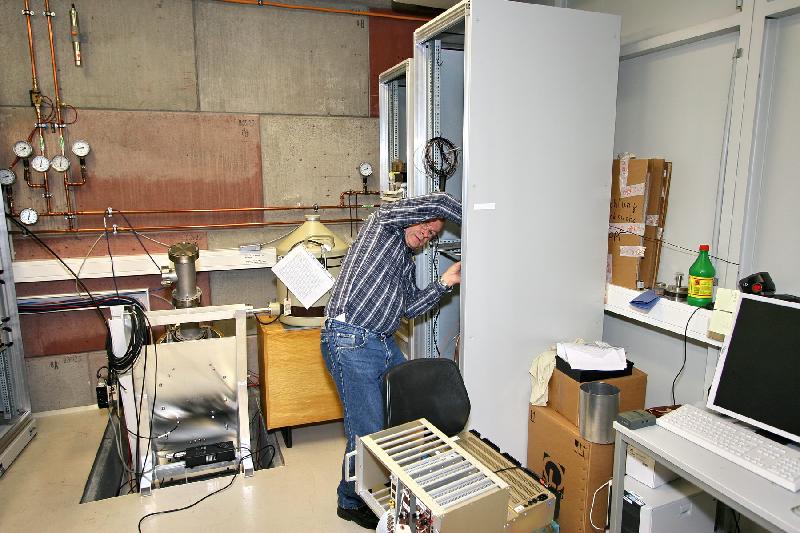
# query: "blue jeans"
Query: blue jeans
{"points": [[357, 360]]}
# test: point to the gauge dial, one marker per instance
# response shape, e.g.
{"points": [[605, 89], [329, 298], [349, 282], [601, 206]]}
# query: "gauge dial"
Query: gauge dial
{"points": [[23, 149], [28, 216], [81, 148], [59, 163], [40, 163], [7, 176], [365, 169]]}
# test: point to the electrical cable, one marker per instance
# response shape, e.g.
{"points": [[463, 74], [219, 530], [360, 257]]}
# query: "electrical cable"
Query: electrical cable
{"points": [[165, 245], [683, 365], [141, 331], [86, 257], [35, 237], [510, 468], [136, 234], [210, 494], [591, 508], [110, 257], [255, 315], [172, 305], [446, 153], [688, 251], [435, 325]]}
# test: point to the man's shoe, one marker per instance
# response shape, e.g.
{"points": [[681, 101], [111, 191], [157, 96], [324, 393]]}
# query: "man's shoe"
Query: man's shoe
{"points": [[362, 516]]}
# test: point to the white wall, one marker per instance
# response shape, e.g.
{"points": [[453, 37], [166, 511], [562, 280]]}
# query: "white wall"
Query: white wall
{"points": [[731, 127], [672, 104], [647, 18], [775, 215]]}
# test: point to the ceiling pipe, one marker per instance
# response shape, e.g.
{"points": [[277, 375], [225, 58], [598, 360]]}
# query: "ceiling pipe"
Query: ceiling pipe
{"points": [[374, 14]]}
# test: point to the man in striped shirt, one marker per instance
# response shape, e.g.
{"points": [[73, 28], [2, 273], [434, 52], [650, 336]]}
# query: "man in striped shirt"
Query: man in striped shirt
{"points": [[376, 287]]}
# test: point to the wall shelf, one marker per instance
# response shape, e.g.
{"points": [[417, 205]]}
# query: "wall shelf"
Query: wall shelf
{"points": [[138, 265], [666, 314]]}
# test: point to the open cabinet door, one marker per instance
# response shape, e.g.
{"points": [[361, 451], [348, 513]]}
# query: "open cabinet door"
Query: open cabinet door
{"points": [[539, 109]]}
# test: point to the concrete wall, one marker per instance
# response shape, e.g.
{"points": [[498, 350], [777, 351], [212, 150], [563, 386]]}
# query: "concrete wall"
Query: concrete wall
{"points": [[191, 104]]}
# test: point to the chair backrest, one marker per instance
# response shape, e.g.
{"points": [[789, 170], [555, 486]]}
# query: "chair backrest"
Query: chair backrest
{"points": [[426, 388]]}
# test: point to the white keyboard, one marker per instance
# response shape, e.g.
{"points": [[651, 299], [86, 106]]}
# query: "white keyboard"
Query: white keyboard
{"points": [[757, 454]]}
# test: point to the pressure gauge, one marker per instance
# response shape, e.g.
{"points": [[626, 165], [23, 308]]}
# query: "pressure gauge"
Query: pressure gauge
{"points": [[365, 169], [40, 163], [28, 216], [7, 176], [59, 163], [81, 148], [23, 149]]}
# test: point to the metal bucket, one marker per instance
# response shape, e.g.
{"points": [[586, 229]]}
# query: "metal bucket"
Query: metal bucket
{"points": [[598, 410]]}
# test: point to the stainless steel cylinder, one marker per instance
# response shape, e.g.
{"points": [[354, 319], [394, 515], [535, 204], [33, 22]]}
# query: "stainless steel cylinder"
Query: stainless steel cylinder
{"points": [[599, 406], [186, 293]]}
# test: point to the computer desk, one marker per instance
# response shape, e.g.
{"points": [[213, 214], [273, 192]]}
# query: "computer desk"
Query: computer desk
{"points": [[767, 504]]}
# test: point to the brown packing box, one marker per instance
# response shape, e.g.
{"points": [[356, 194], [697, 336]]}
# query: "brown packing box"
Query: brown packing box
{"points": [[564, 393], [570, 466], [662, 219], [657, 193], [628, 209], [636, 221]]}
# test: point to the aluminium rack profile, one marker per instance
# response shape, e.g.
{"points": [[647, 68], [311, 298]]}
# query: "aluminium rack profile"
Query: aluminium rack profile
{"points": [[433, 484]]}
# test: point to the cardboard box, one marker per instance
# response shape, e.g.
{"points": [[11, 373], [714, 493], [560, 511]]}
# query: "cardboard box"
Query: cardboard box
{"points": [[639, 194], [564, 394], [572, 467], [659, 174], [626, 245], [645, 470]]}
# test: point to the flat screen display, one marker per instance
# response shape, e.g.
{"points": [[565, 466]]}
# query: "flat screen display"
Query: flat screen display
{"points": [[758, 373]]}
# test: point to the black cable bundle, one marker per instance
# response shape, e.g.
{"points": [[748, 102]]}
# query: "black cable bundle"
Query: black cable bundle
{"points": [[140, 336], [140, 333], [447, 153]]}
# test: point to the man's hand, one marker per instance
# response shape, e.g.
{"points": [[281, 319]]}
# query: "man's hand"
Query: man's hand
{"points": [[452, 275]]}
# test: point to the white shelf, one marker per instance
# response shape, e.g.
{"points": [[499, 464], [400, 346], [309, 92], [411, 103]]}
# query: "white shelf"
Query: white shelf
{"points": [[138, 265], [666, 314]]}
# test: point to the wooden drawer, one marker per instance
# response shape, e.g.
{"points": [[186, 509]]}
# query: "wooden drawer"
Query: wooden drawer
{"points": [[296, 387]]}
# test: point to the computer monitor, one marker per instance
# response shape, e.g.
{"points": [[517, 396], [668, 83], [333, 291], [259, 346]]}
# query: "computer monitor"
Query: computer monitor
{"points": [[758, 373]]}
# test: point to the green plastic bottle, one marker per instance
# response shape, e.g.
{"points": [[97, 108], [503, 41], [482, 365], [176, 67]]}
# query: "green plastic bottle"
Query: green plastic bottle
{"points": [[701, 279]]}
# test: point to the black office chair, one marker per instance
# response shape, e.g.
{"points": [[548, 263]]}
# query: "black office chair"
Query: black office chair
{"points": [[426, 388]]}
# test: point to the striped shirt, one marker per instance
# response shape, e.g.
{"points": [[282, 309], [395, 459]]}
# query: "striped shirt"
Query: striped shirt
{"points": [[377, 282]]}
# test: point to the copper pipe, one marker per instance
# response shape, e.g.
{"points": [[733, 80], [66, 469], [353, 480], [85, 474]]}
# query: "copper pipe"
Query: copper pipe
{"points": [[210, 210], [83, 177], [37, 105], [355, 193], [59, 118], [53, 64], [200, 226], [328, 10], [30, 47]]}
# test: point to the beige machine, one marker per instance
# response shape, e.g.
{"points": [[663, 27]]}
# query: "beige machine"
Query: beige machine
{"points": [[531, 506], [323, 244], [430, 483], [427, 482]]}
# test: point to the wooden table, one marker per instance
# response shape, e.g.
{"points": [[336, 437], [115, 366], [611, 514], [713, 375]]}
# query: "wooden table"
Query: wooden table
{"points": [[296, 387]]}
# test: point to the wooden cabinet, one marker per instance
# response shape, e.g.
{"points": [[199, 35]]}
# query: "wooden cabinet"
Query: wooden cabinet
{"points": [[296, 387]]}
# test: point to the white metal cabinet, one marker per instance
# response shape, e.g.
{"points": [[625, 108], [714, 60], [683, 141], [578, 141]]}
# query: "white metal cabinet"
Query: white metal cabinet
{"points": [[17, 425], [537, 96]]}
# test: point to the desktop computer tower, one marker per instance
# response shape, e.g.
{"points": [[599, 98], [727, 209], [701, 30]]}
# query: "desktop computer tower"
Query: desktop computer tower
{"points": [[676, 506]]}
